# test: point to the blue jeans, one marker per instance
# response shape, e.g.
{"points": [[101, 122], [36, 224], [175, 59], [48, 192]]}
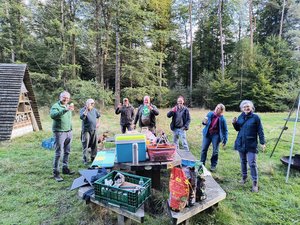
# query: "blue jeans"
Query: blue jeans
{"points": [[180, 133], [251, 158], [215, 140]]}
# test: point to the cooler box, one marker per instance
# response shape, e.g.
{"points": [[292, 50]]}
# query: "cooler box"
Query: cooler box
{"points": [[161, 152], [124, 147]]}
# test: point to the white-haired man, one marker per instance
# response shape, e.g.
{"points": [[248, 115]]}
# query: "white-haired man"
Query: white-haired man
{"points": [[90, 123], [61, 114]]}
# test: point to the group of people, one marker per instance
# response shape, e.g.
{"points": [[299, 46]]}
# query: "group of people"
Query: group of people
{"points": [[215, 131]]}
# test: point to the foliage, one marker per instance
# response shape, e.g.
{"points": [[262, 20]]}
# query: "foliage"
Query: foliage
{"points": [[156, 93]]}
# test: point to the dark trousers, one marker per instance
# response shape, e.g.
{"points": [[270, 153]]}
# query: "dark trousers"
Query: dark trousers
{"points": [[215, 140], [251, 158], [124, 127], [62, 146], [89, 140]]}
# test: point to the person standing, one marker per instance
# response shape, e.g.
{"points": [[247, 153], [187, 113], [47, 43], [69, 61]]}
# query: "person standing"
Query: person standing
{"points": [[90, 123], [146, 115], [180, 123], [61, 114], [215, 132], [127, 115], [249, 127]]}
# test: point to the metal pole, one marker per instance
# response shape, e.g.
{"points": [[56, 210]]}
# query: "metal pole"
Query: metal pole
{"points": [[293, 140], [284, 127]]}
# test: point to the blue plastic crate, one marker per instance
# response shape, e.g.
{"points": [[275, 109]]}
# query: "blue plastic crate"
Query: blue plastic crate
{"points": [[124, 152], [48, 143]]}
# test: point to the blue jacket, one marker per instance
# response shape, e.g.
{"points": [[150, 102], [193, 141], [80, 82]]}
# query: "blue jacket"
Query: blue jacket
{"points": [[223, 131], [186, 119], [248, 127]]}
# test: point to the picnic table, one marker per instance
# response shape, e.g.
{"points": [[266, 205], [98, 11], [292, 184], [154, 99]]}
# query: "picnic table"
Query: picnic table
{"points": [[214, 193], [150, 169]]}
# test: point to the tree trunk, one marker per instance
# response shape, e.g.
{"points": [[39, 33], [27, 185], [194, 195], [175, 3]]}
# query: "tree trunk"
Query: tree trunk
{"points": [[10, 33], [63, 46], [117, 75], [220, 9], [281, 21], [73, 56], [99, 53], [191, 50], [251, 25]]}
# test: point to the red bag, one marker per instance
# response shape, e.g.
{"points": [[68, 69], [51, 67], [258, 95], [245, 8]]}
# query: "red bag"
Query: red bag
{"points": [[179, 189]]}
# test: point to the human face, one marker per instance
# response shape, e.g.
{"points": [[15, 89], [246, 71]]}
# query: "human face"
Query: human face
{"points": [[180, 102], [146, 100], [65, 99], [125, 101], [247, 108], [219, 110]]}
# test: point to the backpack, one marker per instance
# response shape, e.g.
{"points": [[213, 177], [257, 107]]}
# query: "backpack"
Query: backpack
{"points": [[145, 116]]}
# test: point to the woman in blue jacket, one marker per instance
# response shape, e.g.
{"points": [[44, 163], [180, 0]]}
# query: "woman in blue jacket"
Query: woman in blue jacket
{"points": [[249, 127], [215, 131]]}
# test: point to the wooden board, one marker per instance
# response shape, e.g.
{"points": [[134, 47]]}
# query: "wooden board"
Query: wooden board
{"points": [[138, 216], [214, 194]]}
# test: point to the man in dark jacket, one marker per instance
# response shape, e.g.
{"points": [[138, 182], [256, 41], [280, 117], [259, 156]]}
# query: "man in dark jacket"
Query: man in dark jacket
{"points": [[146, 115], [127, 115], [180, 123]]}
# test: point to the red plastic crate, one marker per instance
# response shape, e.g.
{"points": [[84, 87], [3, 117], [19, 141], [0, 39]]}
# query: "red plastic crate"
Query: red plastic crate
{"points": [[161, 152]]}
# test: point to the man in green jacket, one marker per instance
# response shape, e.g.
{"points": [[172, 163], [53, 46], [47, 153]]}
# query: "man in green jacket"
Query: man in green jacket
{"points": [[61, 113]]}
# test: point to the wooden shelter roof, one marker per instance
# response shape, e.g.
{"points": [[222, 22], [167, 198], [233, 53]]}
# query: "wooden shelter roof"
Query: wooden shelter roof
{"points": [[11, 78]]}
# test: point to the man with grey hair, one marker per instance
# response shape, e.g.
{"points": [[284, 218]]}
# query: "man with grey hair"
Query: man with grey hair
{"points": [[61, 114], [146, 115], [90, 123]]}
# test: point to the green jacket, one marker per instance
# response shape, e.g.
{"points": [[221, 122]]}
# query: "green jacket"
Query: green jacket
{"points": [[61, 118]]}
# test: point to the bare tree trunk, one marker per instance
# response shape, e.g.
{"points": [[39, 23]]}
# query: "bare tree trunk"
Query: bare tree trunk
{"points": [[62, 28], [160, 67], [281, 21], [99, 52], [191, 50], [73, 56], [221, 37], [10, 33], [251, 25], [117, 75]]}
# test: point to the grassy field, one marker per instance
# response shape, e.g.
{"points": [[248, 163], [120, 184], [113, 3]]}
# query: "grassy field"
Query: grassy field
{"points": [[29, 195]]}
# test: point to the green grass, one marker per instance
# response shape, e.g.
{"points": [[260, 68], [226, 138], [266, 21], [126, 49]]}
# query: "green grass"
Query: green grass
{"points": [[29, 195]]}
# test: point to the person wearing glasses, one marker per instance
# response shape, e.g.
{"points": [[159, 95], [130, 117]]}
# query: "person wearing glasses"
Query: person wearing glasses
{"points": [[215, 131], [90, 123], [180, 123], [127, 115], [249, 127], [61, 114]]}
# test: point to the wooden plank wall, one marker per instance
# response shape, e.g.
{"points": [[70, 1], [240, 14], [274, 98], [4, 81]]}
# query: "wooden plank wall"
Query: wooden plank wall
{"points": [[34, 106], [11, 77]]}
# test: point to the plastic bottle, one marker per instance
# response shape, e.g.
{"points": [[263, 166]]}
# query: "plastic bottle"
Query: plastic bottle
{"points": [[135, 154], [141, 182]]}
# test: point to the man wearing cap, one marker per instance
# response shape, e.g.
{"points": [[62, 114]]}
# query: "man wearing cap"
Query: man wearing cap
{"points": [[90, 123], [127, 115], [61, 114]]}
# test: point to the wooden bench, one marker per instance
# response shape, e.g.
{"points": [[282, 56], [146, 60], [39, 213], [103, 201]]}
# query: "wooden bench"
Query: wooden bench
{"points": [[124, 216], [214, 194]]}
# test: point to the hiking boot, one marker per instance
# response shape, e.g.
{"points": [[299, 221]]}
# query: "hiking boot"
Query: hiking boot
{"points": [[213, 168], [57, 177], [243, 180], [66, 170], [254, 186]]}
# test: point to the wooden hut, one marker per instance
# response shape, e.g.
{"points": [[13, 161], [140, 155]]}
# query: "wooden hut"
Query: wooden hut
{"points": [[18, 108]]}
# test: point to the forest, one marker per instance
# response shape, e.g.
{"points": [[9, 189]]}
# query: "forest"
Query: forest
{"points": [[209, 51]]}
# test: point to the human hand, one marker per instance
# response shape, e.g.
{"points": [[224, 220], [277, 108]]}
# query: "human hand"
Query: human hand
{"points": [[97, 125], [263, 147], [234, 120], [120, 105], [224, 146], [205, 120], [174, 109], [134, 126], [70, 107]]}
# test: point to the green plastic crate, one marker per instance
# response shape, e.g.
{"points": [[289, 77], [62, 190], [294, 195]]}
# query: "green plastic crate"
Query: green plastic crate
{"points": [[127, 199]]}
